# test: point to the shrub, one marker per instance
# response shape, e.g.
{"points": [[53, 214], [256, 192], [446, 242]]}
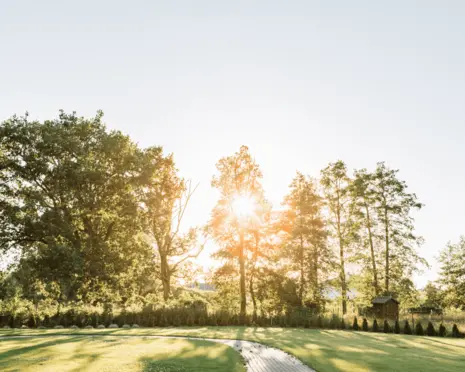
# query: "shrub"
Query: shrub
{"points": [[101, 326], [126, 326], [430, 331], [343, 324], [74, 327], [365, 325], [407, 329], [40, 327], [419, 330], [386, 327], [355, 324], [375, 326], [88, 327], [455, 331], [135, 326], [58, 327], [319, 322], [396, 327], [442, 331]]}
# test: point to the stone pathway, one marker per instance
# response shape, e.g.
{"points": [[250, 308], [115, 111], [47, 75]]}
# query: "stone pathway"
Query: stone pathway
{"points": [[257, 357]]}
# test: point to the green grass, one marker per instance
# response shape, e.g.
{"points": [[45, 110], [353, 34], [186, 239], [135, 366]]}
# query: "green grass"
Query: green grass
{"points": [[326, 350], [83, 353]]}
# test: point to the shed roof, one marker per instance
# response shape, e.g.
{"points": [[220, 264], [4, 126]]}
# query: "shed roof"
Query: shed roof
{"points": [[383, 300]]}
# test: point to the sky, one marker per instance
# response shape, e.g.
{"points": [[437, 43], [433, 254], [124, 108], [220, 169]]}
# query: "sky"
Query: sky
{"points": [[302, 83]]}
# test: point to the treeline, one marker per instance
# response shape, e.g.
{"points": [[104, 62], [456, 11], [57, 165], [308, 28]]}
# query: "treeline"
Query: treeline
{"points": [[88, 218]]}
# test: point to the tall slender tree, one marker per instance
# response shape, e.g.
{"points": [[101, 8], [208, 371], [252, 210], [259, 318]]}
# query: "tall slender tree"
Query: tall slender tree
{"points": [[394, 206], [365, 203], [166, 200], [341, 222], [305, 235], [232, 222]]}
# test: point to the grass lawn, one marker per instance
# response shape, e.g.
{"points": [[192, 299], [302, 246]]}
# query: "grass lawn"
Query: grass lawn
{"points": [[82, 353], [325, 350]]}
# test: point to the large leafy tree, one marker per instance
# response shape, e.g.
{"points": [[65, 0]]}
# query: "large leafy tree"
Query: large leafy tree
{"points": [[236, 215], [305, 236], [394, 206], [70, 203], [341, 216], [452, 274]]}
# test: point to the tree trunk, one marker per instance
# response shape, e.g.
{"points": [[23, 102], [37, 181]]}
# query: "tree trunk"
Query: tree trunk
{"points": [[386, 228], [252, 295], [302, 272], [372, 250], [165, 276], [252, 277], [242, 277], [342, 262]]}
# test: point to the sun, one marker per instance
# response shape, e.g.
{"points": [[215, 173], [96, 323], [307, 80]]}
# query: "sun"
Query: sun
{"points": [[243, 206]]}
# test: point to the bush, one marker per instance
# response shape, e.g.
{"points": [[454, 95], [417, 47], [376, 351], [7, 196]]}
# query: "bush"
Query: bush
{"points": [[455, 331], [365, 325], [135, 326], [88, 327], [442, 331], [101, 326], [396, 327], [355, 324], [407, 329], [319, 322], [375, 326], [386, 327], [430, 331], [343, 324], [419, 330], [126, 326]]}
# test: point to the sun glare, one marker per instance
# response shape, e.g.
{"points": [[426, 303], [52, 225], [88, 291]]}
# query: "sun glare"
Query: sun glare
{"points": [[243, 206]]}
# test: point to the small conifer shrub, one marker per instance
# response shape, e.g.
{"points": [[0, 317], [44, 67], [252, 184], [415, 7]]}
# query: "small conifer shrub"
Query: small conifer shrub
{"points": [[375, 326], [386, 327], [442, 331], [430, 331], [419, 330], [355, 324], [455, 331], [365, 325], [396, 327], [407, 329], [343, 324]]}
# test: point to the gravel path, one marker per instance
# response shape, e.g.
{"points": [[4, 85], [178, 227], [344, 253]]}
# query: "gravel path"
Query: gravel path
{"points": [[258, 357]]}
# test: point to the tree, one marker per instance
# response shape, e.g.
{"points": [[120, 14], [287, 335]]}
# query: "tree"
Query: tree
{"points": [[452, 274], [434, 295], [364, 199], [69, 203], [166, 200], [336, 188], [305, 235], [237, 211], [394, 205]]}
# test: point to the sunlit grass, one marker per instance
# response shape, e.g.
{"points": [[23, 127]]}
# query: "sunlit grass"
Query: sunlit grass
{"points": [[328, 350], [82, 353]]}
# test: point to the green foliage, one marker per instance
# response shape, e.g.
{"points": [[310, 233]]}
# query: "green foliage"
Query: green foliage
{"points": [[355, 324], [452, 274], [343, 324], [419, 329], [375, 327], [365, 325], [397, 327]]}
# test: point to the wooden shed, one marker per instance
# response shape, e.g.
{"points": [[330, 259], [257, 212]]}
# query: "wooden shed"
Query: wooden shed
{"points": [[385, 307]]}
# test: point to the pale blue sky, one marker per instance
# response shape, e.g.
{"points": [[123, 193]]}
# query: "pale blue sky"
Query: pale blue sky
{"points": [[302, 83]]}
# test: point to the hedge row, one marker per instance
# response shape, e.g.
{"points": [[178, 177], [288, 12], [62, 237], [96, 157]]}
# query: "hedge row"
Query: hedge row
{"points": [[176, 317]]}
